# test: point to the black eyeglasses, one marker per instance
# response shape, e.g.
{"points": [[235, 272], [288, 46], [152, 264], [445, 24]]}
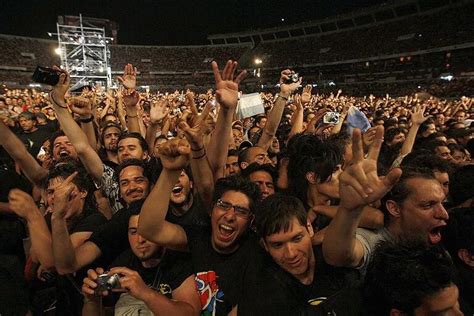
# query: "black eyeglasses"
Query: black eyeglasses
{"points": [[239, 210]]}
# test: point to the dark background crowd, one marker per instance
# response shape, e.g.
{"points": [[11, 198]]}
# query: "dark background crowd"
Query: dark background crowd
{"points": [[344, 188]]}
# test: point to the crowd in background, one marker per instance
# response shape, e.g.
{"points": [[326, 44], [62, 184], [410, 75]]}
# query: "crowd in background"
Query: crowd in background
{"points": [[199, 210]]}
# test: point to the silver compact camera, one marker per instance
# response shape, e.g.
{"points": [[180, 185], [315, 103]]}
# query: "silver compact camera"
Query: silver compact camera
{"points": [[292, 78], [331, 118], [107, 282]]}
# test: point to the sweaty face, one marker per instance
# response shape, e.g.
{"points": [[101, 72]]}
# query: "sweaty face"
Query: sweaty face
{"points": [[422, 214], [181, 189], [62, 148], [292, 250], [444, 302], [133, 184], [130, 148], [111, 136], [27, 125], [232, 165], [142, 248], [229, 225], [264, 182]]}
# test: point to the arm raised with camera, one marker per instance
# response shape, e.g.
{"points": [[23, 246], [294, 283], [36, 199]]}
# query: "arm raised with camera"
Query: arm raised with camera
{"points": [[76, 136], [227, 96], [274, 118], [359, 185], [152, 225]]}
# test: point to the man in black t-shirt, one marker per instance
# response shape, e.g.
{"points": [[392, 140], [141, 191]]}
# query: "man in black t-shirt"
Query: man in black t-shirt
{"points": [[220, 252], [157, 281], [32, 136], [294, 279]]}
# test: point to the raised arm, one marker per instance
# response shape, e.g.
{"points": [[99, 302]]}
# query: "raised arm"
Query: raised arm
{"points": [[23, 205], [274, 117], [130, 97], [200, 167], [158, 112], [417, 118], [83, 108], [63, 244], [359, 185], [76, 136], [227, 96], [152, 225], [17, 150], [297, 118]]}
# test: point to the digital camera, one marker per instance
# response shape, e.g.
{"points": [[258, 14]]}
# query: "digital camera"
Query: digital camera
{"points": [[292, 78], [107, 282], [331, 118]]}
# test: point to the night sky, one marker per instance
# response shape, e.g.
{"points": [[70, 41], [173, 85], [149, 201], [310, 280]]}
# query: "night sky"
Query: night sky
{"points": [[169, 22]]}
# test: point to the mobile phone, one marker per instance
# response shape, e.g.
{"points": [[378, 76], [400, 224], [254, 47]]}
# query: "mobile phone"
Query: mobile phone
{"points": [[46, 75], [331, 118]]}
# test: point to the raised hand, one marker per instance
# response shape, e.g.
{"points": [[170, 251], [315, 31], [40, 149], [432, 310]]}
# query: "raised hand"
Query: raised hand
{"points": [[63, 195], [130, 100], [359, 184], [158, 111], [227, 87], [418, 115], [81, 106], [369, 137], [129, 78], [59, 90], [306, 95], [174, 154], [194, 128], [288, 88], [21, 203]]}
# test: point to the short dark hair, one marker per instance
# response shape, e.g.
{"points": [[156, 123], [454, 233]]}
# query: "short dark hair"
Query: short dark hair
{"points": [[243, 155], [239, 184], [461, 183], [401, 275], [401, 190], [233, 152], [254, 167], [27, 115], [426, 160], [131, 162], [277, 212], [135, 135]]}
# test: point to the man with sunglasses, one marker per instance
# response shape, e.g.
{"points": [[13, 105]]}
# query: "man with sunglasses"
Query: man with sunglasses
{"points": [[220, 252]]}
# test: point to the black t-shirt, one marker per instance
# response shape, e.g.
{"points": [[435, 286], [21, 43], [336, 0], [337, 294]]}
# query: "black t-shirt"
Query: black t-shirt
{"points": [[195, 216], [218, 276], [173, 270], [269, 290], [33, 141], [70, 298]]}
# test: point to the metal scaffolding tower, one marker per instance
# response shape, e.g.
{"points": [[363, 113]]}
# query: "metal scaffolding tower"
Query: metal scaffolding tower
{"points": [[84, 54]]}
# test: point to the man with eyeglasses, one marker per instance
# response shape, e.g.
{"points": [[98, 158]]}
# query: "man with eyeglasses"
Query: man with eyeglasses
{"points": [[220, 252]]}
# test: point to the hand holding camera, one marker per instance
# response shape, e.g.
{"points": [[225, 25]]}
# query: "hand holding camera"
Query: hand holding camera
{"points": [[289, 82], [99, 283]]}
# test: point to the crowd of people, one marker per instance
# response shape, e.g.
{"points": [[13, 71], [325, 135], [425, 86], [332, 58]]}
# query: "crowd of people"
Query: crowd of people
{"points": [[175, 203]]}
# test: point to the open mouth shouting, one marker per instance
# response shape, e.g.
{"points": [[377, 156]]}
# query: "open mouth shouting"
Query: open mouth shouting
{"points": [[434, 235], [226, 233], [63, 153]]}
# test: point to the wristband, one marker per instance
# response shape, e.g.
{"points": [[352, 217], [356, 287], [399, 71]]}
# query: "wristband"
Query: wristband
{"points": [[280, 96], [199, 149], [54, 101], [87, 120], [199, 157]]}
